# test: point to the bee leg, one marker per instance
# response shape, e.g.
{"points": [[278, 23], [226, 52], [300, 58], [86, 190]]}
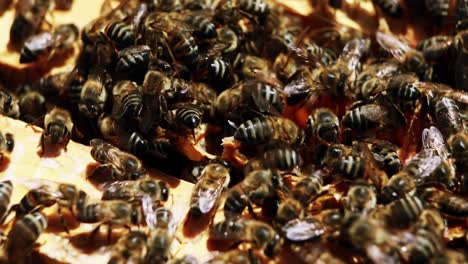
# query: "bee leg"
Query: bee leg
{"points": [[109, 232], [251, 211], [42, 145], [93, 233], [62, 220]]}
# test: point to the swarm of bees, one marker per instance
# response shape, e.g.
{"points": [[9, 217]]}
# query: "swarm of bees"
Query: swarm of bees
{"points": [[376, 171]]}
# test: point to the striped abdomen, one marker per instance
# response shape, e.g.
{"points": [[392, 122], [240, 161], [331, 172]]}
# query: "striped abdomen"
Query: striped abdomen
{"points": [[88, 214], [190, 117], [406, 209], [132, 104], [352, 166], [121, 33], [133, 58], [454, 205], [23, 235], [185, 48], [256, 7], [204, 28], [283, 158], [427, 246], [6, 189], [255, 131]]}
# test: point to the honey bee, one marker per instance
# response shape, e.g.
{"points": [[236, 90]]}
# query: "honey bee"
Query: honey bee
{"points": [[111, 213], [6, 189], [179, 37], [361, 198], [122, 165], [214, 178], [47, 193], [260, 234], [133, 58], [109, 128], [129, 248], [448, 117], [263, 97], [256, 187], [258, 8], [391, 8], [323, 124], [269, 128], [93, 95], [161, 236], [447, 202], [409, 58], [28, 19], [249, 66], [123, 32], [46, 44], [373, 116], [136, 190], [128, 99], [9, 105], [235, 257], [23, 235], [435, 47], [431, 164], [339, 78], [58, 127]]}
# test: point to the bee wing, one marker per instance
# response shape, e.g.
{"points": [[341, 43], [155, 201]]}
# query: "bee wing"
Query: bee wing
{"points": [[303, 57], [209, 197], [353, 51], [433, 139], [123, 186], [393, 45], [381, 143], [427, 161], [149, 210], [298, 230], [444, 90], [47, 187]]}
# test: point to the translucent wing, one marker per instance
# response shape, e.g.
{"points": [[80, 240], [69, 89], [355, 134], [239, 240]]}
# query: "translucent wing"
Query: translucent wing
{"points": [[426, 161], [303, 229], [433, 139], [121, 190], [393, 45], [149, 211], [46, 187], [444, 90], [207, 197], [353, 51]]}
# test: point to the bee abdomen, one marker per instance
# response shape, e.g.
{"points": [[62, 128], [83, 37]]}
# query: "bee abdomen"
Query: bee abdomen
{"points": [[356, 121], [283, 158], [121, 33], [204, 27], [427, 245], [23, 234], [133, 58], [185, 48], [406, 209], [189, 117], [132, 104], [6, 189], [255, 131], [454, 206], [88, 214], [352, 166]]}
